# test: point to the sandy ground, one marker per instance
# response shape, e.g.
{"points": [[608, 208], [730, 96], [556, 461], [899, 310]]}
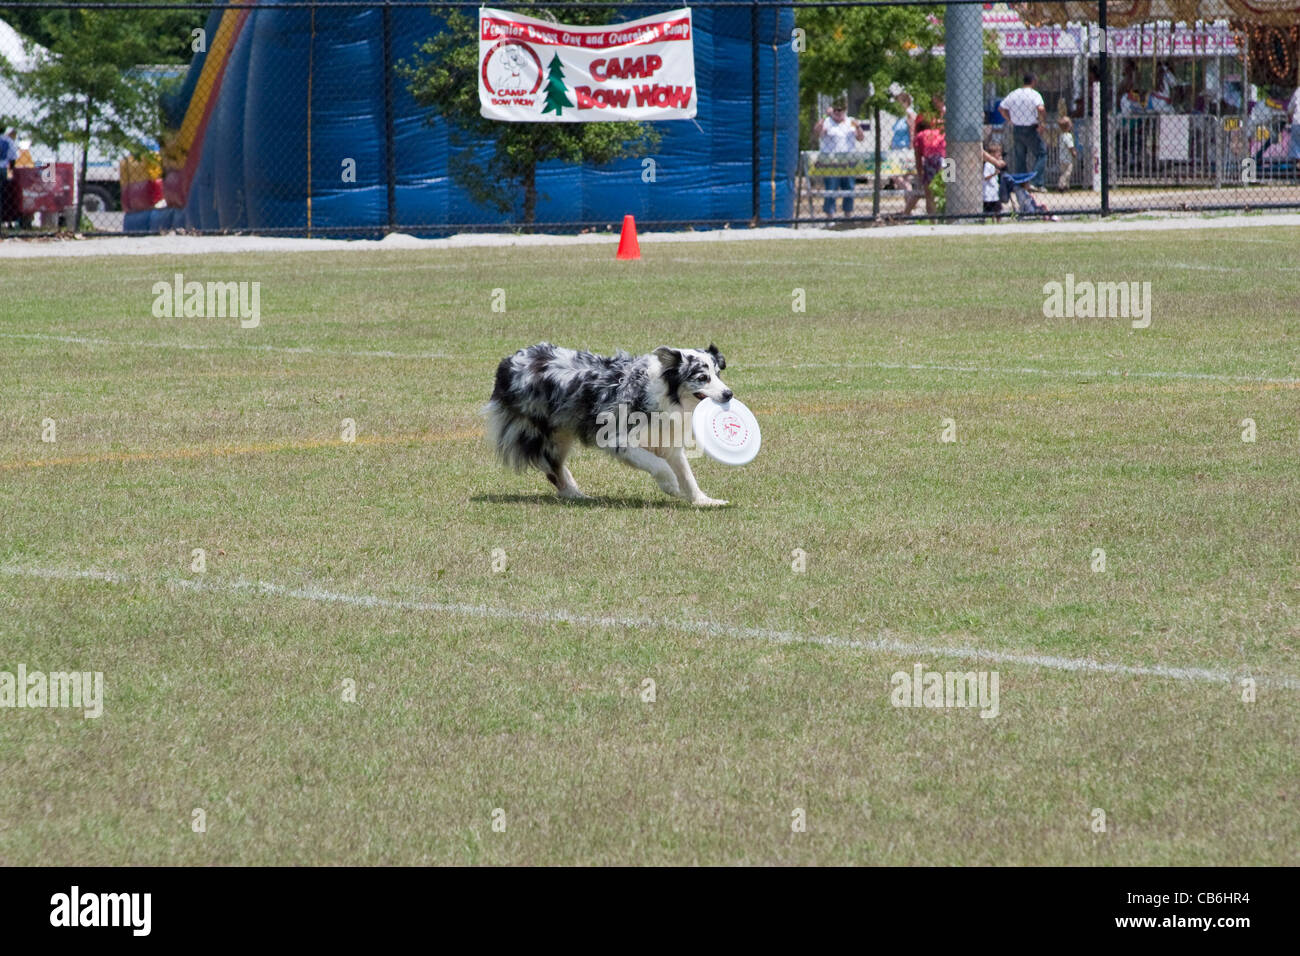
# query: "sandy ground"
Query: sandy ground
{"points": [[173, 245]]}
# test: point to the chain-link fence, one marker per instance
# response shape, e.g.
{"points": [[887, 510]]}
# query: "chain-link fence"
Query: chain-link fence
{"points": [[350, 118]]}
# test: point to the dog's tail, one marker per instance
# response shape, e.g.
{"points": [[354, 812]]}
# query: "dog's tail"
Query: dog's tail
{"points": [[516, 439], [519, 440]]}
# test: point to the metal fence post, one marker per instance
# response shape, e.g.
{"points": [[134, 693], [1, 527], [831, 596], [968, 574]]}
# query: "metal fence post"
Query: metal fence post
{"points": [[754, 112], [875, 161], [390, 158], [1104, 107], [963, 38]]}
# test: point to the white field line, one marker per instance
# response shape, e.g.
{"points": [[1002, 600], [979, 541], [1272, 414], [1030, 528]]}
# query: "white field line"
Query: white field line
{"points": [[1202, 268], [883, 642], [825, 261], [1062, 372], [188, 346]]}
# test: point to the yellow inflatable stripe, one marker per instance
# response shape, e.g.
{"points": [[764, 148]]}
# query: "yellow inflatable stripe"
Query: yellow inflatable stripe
{"points": [[215, 63]]}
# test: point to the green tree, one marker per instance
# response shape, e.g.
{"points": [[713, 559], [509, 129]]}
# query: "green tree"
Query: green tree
{"points": [[557, 94], [165, 34], [868, 49], [444, 77], [86, 88]]}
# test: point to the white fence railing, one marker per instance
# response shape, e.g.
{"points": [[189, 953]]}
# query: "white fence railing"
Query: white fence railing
{"points": [[1211, 150]]}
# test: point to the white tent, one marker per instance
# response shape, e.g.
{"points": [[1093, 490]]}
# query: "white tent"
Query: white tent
{"points": [[13, 48], [22, 56]]}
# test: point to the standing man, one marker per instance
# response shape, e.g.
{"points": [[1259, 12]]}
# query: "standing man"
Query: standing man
{"points": [[1025, 111], [837, 135]]}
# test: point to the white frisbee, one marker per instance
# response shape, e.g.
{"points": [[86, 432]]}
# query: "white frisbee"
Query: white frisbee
{"points": [[727, 432]]}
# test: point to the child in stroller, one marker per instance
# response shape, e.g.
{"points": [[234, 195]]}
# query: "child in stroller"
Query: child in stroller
{"points": [[1013, 187]]}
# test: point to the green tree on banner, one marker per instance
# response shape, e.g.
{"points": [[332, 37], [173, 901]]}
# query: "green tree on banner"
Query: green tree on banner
{"points": [[557, 94], [495, 162]]}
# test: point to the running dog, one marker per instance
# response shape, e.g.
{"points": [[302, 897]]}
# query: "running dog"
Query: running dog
{"points": [[547, 397]]}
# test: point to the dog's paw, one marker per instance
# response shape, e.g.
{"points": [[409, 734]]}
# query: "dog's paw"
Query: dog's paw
{"points": [[668, 484], [706, 502]]}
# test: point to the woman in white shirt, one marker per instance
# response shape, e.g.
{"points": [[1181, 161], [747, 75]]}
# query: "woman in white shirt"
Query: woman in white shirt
{"points": [[838, 135]]}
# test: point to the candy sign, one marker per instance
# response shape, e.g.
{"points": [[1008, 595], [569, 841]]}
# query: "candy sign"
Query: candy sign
{"points": [[535, 71]]}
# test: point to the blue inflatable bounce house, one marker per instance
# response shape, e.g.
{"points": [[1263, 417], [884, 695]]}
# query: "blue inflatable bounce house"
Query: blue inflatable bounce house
{"points": [[282, 95]]}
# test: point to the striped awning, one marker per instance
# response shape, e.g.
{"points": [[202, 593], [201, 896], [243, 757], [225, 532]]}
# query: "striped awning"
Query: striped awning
{"points": [[1121, 13]]}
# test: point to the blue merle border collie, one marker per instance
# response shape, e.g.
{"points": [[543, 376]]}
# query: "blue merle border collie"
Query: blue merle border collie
{"points": [[547, 397]]}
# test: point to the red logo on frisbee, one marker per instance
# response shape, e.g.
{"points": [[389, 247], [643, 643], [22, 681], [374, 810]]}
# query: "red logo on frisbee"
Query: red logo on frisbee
{"points": [[730, 430]]}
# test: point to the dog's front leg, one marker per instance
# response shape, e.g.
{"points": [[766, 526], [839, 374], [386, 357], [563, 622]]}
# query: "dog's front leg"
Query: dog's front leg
{"points": [[686, 479], [646, 460]]}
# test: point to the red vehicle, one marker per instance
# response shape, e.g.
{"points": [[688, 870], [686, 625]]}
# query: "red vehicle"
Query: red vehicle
{"points": [[33, 189]]}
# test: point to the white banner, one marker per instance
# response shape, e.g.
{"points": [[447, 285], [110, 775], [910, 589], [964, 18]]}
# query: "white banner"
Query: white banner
{"points": [[535, 71], [1216, 40]]}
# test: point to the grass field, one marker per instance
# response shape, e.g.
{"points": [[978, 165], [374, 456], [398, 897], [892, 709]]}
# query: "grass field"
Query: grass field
{"points": [[521, 689]]}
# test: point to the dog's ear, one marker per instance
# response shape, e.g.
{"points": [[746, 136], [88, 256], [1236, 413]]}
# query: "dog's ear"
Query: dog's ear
{"points": [[717, 356], [667, 357]]}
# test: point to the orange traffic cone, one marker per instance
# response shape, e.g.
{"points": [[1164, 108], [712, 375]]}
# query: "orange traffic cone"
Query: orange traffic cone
{"points": [[628, 247]]}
